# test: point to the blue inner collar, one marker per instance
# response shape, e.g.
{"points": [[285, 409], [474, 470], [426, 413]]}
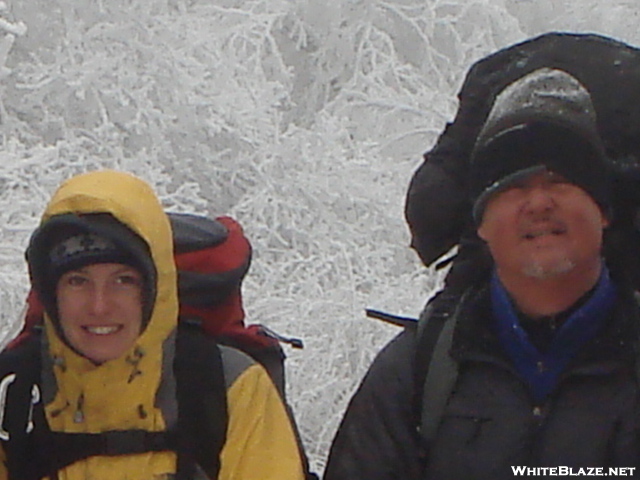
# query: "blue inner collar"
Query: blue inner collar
{"points": [[541, 370]]}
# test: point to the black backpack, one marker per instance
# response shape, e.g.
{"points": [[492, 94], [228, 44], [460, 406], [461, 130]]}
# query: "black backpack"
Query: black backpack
{"points": [[437, 206], [438, 209]]}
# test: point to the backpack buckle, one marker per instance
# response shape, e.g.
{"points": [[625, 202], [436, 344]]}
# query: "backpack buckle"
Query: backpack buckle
{"points": [[127, 442]]}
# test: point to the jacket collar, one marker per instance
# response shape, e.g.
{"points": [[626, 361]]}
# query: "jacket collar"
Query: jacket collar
{"points": [[617, 345], [541, 370]]}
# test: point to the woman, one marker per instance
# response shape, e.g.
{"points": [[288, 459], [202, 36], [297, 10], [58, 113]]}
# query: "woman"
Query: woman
{"points": [[106, 389]]}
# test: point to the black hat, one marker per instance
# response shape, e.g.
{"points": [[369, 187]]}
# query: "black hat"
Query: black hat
{"points": [[544, 120], [69, 241]]}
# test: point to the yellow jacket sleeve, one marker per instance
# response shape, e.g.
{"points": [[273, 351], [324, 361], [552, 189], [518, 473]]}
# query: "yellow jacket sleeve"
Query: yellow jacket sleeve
{"points": [[260, 441]]}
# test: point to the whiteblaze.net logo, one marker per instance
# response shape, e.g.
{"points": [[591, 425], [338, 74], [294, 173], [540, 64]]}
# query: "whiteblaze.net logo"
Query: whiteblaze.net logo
{"points": [[573, 472]]}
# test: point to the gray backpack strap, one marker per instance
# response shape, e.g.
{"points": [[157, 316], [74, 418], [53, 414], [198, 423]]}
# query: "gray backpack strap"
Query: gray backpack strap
{"points": [[435, 371], [441, 377]]}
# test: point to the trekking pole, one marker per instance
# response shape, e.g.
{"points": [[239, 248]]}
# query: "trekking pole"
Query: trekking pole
{"points": [[392, 319], [294, 342]]}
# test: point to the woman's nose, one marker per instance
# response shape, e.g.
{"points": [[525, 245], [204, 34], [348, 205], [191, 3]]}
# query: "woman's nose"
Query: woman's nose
{"points": [[100, 299]]}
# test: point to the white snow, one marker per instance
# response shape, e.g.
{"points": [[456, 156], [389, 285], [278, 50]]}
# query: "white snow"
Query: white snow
{"points": [[302, 119]]}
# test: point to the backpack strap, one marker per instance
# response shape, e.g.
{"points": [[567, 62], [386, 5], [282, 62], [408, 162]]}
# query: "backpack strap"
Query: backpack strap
{"points": [[21, 410], [33, 451], [61, 449], [202, 403], [434, 369]]}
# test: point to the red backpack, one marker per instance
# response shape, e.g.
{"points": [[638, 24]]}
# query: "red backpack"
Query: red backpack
{"points": [[212, 257]]}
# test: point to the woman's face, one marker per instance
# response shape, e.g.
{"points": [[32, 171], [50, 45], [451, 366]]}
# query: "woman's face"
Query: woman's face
{"points": [[100, 309]]}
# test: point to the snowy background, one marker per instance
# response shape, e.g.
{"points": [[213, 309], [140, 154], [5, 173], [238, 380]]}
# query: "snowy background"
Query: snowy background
{"points": [[304, 119]]}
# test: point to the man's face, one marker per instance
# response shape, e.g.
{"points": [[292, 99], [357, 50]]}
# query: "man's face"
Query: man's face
{"points": [[543, 226], [100, 309]]}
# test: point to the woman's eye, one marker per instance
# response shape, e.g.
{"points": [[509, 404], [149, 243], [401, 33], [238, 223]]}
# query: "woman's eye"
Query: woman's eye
{"points": [[128, 280]]}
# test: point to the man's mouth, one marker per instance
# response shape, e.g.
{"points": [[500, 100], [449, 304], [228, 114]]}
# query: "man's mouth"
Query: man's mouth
{"points": [[533, 234], [102, 329]]}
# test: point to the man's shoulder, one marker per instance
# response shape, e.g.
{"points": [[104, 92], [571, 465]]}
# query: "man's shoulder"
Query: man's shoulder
{"points": [[400, 351], [399, 348], [392, 367], [627, 304]]}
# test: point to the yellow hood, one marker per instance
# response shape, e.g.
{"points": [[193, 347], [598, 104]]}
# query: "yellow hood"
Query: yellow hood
{"points": [[121, 393]]}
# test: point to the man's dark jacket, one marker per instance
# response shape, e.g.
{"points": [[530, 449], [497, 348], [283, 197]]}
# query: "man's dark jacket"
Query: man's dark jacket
{"points": [[491, 422]]}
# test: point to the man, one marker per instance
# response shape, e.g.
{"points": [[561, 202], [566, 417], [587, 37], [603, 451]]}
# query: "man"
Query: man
{"points": [[107, 381], [544, 345]]}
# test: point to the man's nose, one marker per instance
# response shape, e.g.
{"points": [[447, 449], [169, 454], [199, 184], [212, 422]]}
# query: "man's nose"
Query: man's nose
{"points": [[539, 198]]}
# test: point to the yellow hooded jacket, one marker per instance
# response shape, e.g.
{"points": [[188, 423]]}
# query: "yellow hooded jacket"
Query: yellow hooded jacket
{"points": [[91, 398]]}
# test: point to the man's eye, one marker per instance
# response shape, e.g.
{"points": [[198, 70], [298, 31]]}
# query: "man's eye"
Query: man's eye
{"points": [[76, 280], [558, 180]]}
